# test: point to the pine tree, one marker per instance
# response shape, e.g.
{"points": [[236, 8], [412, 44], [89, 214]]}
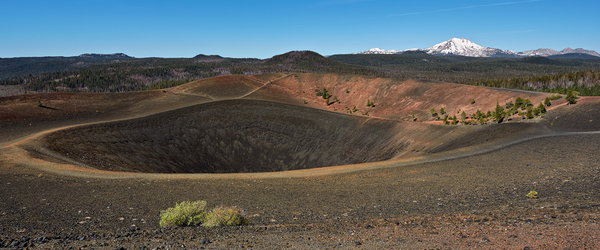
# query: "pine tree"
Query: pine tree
{"points": [[542, 108], [572, 97], [499, 113], [434, 113], [547, 101], [529, 113]]}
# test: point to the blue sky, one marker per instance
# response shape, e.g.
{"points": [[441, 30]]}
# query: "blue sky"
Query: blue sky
{"points": [[261, 29]]}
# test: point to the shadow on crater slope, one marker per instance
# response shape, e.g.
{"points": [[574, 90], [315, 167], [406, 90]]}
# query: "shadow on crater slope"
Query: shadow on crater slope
{"points": [[231, 136]]}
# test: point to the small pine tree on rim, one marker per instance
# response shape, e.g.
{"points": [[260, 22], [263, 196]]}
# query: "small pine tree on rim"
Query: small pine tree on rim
{"points": [[572, 97]]}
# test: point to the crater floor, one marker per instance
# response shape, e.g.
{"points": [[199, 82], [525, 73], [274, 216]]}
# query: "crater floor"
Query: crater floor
{"points": [[230, 136]]}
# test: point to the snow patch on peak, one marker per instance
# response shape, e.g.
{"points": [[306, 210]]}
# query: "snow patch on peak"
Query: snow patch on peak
{"points": [[464, 47], [457, 45], [375, 50], [579, 50], [378, 51], [539, 52]]}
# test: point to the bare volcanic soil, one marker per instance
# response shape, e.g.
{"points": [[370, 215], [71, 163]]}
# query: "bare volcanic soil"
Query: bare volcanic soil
{"points": [[230, 136], [445, 186], [473, 202]]}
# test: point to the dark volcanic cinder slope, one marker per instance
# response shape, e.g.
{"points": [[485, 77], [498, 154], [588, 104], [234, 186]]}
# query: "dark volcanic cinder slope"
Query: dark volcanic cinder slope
{"points": [[583, 116], [231, 136], [221, 87], [283, 125]]}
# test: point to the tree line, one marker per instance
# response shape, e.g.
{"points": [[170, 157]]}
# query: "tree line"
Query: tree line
{"points": [[587, 83], [536, 74]]}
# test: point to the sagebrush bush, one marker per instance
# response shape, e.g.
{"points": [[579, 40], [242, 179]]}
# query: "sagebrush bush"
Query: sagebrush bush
{"points": [[532, 194], [225, 216], [193, 213], [185, 213]]}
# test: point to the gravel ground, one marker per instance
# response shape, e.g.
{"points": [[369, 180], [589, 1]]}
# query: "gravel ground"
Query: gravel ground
{"points": [[471, 202], [416, 206]]}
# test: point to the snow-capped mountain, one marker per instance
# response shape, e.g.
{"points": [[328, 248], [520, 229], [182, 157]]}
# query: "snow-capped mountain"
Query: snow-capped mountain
{"points": [[378, 51], [580, 51], [539, 52], [465, 47], [454, 46], [551, 52]]}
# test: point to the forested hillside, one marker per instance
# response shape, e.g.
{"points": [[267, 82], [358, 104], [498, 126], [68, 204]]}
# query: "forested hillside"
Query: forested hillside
{"points": [[150, 73], [585, 82], [25, 66], [467, 70], [110, 74]]}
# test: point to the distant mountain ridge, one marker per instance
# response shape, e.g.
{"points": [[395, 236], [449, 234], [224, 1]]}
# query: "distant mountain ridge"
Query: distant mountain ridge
{"points": [[465, 47], [19, 66], [52, 74], [551, 52], [105, 56], [378, 51]]}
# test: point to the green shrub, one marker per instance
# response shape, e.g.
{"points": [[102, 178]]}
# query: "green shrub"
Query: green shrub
{"points": [[519, 101], [509, 105], [478, 115], [193, 213], [370, 104], [536, 111], [433, 113], [532, 194], [454, 120], [482, 121], [572, 97], [520, 106], [225, 216], [499, 113], [529, 113], [542, 108], [547, 102], [554, 97], [323, 93], [185, 213]]}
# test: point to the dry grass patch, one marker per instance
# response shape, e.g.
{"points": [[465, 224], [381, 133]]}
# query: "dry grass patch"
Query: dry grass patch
{"points": [[194, 213]]}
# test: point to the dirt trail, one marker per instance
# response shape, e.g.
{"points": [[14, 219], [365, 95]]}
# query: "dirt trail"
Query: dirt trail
{"points": [[461, 197], [473, 202], [262, 87], [159, 104], [18, 152], [19, 149], [79, 170]]}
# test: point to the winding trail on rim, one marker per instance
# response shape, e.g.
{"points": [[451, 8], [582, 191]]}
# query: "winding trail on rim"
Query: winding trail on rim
{"points": [[263, 86], [18, 152], [81, 171]]}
